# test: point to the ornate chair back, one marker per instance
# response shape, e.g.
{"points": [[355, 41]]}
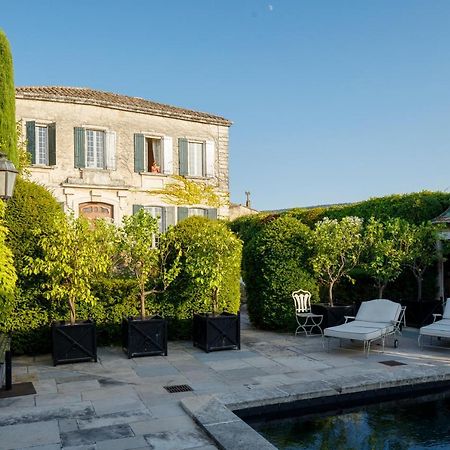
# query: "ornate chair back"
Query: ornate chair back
{"points": [[302, 301]]}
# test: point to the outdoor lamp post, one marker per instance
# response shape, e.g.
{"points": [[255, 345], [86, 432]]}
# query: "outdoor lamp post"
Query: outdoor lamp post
{"points": [[8, 174]]}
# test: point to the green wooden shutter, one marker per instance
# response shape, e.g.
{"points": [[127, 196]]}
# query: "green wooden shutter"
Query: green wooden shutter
{"points": [[204, 159], [31, 140], [211, 213], [136, 208], [51, 144], [183, 156], [139, 148], [182, 213], [79, 147], [169, 216]]}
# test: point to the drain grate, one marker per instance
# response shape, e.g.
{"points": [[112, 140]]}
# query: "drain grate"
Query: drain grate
{"points": [[392, 363], [178, 388]]}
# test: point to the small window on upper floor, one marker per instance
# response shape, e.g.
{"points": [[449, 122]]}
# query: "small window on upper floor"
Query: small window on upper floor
{"points": [[94, 148], [41, 143], [196, 158]]}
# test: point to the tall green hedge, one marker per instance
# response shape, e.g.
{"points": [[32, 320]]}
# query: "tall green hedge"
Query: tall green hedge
{"points": [[276, 263], [8, 134], [416, 208]]}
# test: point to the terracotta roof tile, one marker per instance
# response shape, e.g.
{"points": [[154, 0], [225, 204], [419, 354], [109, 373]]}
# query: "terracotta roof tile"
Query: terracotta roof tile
{"points": [[116, 101]]}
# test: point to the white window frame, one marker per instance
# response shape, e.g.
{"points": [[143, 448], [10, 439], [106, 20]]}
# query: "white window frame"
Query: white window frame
{"points": [[147, 168], [41, 159], [96, 158], [194, 160], [195, 212]]}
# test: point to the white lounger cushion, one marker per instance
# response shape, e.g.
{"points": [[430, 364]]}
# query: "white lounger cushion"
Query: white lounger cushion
{"points": [[352, 330], [378, 311], [438, 329]]}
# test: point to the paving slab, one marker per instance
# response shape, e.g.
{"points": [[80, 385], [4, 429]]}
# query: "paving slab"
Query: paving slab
{"points": [[95, 435], [28, 434]]}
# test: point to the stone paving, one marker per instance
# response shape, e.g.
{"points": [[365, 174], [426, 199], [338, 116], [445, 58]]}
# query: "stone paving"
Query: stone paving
{"points": [[119, 403]]}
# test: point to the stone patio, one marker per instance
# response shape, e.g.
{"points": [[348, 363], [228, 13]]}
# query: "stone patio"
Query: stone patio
{"points": [[122, 404]]}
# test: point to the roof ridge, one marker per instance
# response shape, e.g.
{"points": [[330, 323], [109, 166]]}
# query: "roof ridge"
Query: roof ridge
{"points": [[97, 97]]}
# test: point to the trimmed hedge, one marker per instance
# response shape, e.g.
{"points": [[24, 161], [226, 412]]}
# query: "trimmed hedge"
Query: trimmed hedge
{"points": [[416, 208], [276, 263]]}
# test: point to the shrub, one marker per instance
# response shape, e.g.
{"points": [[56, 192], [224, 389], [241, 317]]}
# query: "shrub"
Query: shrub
{"points": [[277, 263], [209, 271]]}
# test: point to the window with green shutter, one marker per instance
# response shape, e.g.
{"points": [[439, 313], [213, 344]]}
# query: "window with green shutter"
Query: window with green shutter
{"points": [[79, 147], [183, 156], [52, 144], [139, 149], [31, 140]]}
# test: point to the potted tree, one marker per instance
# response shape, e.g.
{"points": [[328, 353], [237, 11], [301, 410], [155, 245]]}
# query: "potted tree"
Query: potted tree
{"points": [[74, 253], [338, 246], [420, 247], [154, 264], [207, 289]]}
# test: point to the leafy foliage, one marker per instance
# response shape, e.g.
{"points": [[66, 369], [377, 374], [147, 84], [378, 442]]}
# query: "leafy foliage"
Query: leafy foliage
{"points": [[276, 263], [8, 275], [386, 251], [146, 252], [187, 192], [337, 248], [74, 254], [210, 269], [8, 135], [415, 208]]}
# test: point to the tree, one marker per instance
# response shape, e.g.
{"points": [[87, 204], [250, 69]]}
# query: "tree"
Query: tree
{"points": [[8, 275], [187, 192], [210, 268], [386, 250], [8, 135], [75, 253], [146, 253], [338, 247], [420, 251]]}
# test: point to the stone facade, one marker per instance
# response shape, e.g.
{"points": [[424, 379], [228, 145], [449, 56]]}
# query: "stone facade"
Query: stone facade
{"points": [[118, 120]]}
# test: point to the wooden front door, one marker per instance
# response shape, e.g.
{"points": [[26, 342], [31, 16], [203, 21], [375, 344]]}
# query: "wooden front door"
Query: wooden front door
{"points": [[96, 210]]}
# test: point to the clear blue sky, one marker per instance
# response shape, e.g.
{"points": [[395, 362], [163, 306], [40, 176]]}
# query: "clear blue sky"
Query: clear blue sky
{"points": [[332, 100]]}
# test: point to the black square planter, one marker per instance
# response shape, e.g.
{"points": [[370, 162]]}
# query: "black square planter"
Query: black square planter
{"points": [[146, 337], [333, 315], [74, 343], [217, 332]]}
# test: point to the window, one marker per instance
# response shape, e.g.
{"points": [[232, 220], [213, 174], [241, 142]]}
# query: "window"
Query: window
{"points": [[164, 214], [95, 146], [183, 213], [196, 158], [96, 210], [157, 213], [41, 143], [94, 149], [153, 154]]}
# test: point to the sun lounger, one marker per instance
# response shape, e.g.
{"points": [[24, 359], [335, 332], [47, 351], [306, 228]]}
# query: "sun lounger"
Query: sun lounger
{"points": [[375, 320], [439, 328]]}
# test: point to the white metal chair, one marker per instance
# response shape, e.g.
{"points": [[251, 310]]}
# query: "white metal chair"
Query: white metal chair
{"points": [[306, 319]]}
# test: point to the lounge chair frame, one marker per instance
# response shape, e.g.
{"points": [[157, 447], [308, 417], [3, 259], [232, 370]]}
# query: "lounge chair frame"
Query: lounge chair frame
{"points": [[438, 328], [369, 330]]}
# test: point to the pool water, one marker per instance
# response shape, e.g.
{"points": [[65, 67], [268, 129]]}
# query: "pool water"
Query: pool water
{"points": [[420, 423]]}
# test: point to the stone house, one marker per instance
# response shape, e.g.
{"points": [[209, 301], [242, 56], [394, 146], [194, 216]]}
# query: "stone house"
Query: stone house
{"points": [[101, 153]]}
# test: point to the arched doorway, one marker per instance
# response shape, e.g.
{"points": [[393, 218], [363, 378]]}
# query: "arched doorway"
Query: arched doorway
{"points": [[96, 210]]}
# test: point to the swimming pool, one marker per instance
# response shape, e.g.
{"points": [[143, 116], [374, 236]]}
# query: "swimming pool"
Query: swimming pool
{"points": [[412, 423]]}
